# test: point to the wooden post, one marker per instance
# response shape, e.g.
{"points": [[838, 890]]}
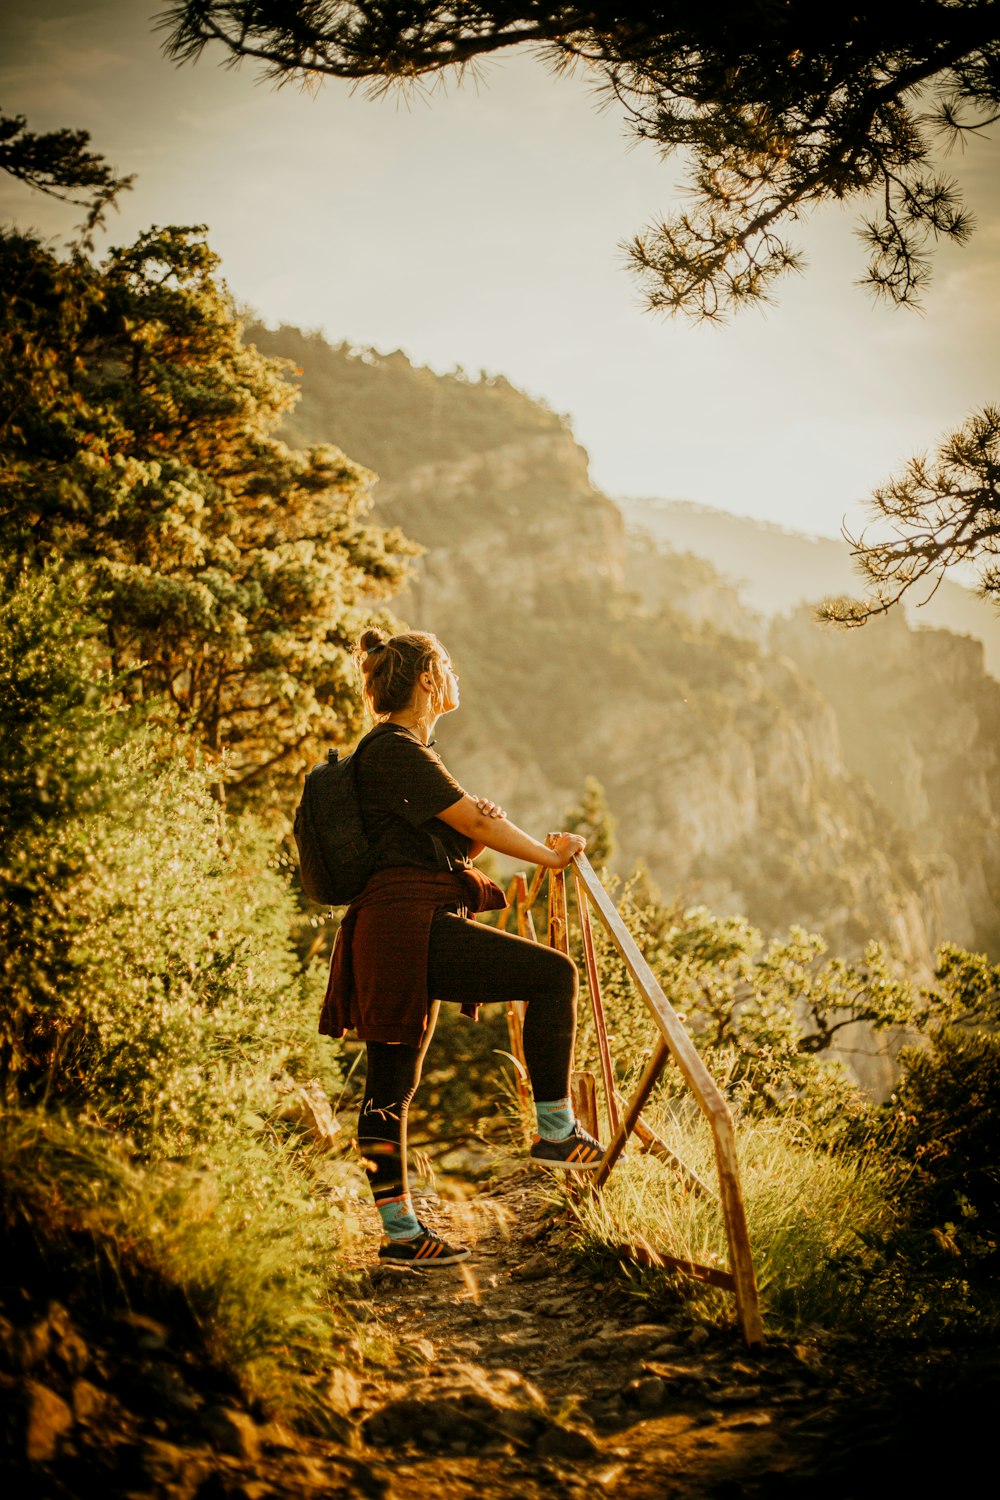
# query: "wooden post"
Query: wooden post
{"points": [[705, 1090], [583, 1097], [597, 1006], [647, 1083]]}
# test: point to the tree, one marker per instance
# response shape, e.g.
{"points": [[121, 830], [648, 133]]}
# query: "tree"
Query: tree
{"points": [[136, 434], [60, 164], [592, 817], [780, 104], [939, 514]]}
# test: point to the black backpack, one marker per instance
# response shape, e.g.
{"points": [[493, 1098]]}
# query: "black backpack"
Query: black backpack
{"points": [[335, 856]]}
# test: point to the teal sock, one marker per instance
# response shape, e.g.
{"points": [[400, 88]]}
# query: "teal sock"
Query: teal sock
{"points": [[398, 1219], [555, 1119]]}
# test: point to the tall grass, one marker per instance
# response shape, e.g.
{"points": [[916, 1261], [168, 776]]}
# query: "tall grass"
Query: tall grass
{"points": [[809, 1211], [247, 1243]]}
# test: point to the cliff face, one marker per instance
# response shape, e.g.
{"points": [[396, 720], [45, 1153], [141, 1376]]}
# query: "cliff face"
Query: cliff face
{"points": [[920, 720], [520, 517], [846, 783]]}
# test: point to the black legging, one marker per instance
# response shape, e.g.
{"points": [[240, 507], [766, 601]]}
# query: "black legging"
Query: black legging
{"points": [[469, 963]]}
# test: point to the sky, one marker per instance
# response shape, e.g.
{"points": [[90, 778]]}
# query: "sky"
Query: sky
{"points": [[480, 225]]}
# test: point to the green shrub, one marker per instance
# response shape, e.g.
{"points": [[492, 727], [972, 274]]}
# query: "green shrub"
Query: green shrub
{"points": [[943, 1128]]}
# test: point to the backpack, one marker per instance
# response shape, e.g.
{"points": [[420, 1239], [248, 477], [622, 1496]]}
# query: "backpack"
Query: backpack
{"points": [[335, 856]]}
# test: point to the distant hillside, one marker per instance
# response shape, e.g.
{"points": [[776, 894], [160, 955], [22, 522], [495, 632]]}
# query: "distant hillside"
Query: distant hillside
{"points": [[776, 570], [394, 416]]}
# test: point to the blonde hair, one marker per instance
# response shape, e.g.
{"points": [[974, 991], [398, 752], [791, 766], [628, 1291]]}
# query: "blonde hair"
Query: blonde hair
{"points": [[391, 665]]}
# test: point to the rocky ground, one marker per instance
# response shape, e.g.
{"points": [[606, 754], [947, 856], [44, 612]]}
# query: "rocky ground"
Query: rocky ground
{"points": [[511, 1375]]}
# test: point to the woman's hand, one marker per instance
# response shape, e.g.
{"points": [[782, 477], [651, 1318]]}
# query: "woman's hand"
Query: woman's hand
{"points": [[489, 809], [562, 847]]}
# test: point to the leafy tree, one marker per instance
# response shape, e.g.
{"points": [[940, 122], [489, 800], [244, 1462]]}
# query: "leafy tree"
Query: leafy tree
{"points": [[779, 107], [935, 515], [136, 434]]}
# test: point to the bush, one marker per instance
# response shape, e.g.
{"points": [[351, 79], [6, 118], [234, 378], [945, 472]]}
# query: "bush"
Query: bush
{"points": [[943, 1131], [244, 1247], [154, 1006]]}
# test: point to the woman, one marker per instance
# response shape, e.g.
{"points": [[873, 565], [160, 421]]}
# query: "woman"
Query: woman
{"points": [[408, 942]]}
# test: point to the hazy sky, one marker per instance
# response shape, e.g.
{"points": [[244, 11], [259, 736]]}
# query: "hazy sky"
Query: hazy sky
{"points": [[481, 226]]}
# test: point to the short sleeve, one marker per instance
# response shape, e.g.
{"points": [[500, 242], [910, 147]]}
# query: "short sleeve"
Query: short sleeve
{"points": [[409, 779]]}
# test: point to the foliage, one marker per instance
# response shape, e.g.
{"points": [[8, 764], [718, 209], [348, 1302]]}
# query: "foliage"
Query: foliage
{"points": [[592, 818], [153, 1006], [60, 164], [763, 1014], [778, 108], [245, 1242], [943, 1125], [805, 1208], [232, 572], [931, 517], [147, 964]]}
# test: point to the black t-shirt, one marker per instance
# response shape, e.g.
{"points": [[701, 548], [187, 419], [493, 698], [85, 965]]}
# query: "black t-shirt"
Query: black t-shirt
{"points": [[403, 785]]}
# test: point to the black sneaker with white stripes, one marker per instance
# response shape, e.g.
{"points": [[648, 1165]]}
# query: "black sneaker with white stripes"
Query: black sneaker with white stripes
{"points": [[423, 1252], [579, 1152]]}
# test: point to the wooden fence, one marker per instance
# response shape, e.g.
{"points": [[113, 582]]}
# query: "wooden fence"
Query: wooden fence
{"points": [[624, 1116]]}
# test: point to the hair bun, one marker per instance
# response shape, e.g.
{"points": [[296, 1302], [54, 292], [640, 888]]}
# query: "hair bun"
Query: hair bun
{"points": [[372, 640]]}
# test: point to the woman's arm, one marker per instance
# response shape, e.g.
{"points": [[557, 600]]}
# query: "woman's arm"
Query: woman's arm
{"points": [[499, 833]]}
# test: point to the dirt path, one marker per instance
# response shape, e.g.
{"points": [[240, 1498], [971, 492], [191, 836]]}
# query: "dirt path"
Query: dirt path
{"points": [[521, 1377], [512, 1377]]}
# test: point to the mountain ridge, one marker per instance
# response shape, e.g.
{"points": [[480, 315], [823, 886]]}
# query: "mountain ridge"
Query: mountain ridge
{"points": [[776, 568]]}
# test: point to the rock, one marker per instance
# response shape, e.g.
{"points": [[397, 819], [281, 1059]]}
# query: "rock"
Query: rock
{"points": [[738, 1395], [533, 1269], [602, 1410], [149, 1335], [666, 1351], [523, 1427], [565, 1442], [87, 1400], [510, 1381], [307, 1106], [36, 1342], [698, 1336], [648, 1393], [342, 1393], [231, 1431], [424, 1348], [48, 1419], [164, 1462]]}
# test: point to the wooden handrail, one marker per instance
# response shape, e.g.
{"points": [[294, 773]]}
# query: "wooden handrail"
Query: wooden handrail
{"points": [[625, 1117]]}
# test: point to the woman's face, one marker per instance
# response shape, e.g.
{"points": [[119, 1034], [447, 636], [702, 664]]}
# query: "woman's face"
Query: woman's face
{"points": [[450, 696]]}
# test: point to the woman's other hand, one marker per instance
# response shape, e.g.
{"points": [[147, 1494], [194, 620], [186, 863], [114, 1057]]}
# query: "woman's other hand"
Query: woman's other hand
{"points": [[563, 847], [489, 809]]}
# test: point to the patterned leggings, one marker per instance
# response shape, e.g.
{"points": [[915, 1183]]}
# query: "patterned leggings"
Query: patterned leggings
{"points": [[469, 963]]}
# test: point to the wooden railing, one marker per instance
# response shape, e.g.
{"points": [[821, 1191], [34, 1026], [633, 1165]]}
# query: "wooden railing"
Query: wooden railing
{"points": [[625, 1116]]}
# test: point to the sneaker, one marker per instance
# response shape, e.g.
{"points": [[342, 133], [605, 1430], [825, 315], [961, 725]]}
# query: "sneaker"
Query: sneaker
{"points": [[579, 1152], [425, 1251]]}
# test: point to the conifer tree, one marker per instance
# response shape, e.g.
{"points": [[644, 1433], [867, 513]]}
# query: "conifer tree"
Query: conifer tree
{"points": [[136, 437], [931, 516], [779, 108]]}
